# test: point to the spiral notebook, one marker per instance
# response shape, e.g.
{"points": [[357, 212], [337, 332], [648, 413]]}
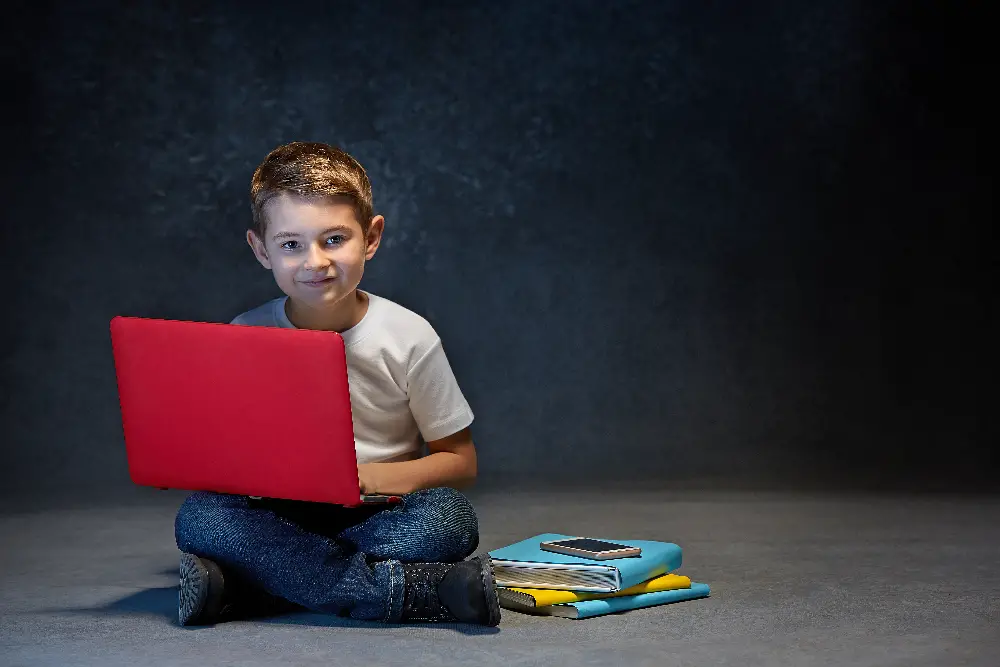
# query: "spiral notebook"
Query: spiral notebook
{"points": [[525, 565]]}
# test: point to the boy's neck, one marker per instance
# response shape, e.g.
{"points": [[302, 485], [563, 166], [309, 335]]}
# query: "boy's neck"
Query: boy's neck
{"points": [[339, 318]]}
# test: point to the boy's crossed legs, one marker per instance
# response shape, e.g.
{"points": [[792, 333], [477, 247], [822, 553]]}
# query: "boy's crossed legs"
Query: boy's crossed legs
{"points": [[360, 562]]}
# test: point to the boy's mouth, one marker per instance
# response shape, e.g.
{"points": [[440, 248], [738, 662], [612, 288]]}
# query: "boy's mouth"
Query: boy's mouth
{"points": [[317, 283]]}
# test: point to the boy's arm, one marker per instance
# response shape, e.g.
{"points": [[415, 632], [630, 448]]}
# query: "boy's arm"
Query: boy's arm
{"points": [[451, 462]]}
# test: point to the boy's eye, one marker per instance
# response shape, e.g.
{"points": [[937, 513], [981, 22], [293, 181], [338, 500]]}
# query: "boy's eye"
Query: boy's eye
{"points": [[290, 245]]}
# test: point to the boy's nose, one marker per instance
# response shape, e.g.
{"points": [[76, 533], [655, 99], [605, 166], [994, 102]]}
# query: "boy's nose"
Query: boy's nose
{"points": [[316, 259]]}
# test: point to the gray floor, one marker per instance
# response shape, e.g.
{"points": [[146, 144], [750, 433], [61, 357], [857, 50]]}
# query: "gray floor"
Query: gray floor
{"points": [[797, 579]]}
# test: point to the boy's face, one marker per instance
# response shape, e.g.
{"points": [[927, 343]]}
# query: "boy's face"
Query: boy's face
{"points": [[315, 249]]}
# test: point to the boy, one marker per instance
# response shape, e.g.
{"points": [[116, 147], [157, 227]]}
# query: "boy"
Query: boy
{"points": [[313, 228]]}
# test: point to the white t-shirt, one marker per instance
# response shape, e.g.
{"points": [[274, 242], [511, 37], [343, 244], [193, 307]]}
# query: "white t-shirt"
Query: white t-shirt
{"points": [[402, 385]]}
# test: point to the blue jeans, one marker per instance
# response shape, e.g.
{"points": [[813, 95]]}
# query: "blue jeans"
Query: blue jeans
{"points": [[328, 558]]}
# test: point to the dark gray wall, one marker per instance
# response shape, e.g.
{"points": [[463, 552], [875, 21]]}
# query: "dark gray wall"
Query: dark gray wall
{"points": [[660, 240]]}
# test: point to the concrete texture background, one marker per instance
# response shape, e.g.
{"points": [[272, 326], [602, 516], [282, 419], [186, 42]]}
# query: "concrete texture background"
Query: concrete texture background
{"points": [[661, 241]]}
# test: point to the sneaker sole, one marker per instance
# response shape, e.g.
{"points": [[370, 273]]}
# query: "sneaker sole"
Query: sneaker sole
{"points": [[192, 596], [490, 585]]}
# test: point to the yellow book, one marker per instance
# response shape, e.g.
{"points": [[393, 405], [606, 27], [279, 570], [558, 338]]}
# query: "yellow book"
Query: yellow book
{"points": [[520, 599]]}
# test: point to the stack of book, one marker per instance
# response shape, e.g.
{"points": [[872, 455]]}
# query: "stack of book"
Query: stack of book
{"points": [[534, 581]]}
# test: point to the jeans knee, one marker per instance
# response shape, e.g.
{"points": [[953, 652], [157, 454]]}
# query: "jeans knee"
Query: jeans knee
{"points": [[198, 517], [454, 533]]}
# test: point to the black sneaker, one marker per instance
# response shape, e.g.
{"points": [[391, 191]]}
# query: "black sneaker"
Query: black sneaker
{"points": [[209, 595], [200, 598], [465, 592]]}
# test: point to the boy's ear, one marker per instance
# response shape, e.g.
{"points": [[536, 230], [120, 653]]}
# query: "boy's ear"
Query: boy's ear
{"points": [[374, 236], [259, 251]]}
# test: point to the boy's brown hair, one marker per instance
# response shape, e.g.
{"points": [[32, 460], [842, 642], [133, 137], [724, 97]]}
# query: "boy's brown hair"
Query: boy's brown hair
{"points": [[314, 171]]}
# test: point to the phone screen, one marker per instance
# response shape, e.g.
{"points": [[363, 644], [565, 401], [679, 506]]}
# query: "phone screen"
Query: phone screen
{"points": [[588, 544]]}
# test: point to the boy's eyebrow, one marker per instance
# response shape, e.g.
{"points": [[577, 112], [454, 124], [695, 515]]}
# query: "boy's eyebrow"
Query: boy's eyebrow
{"points": [[287, 235]]}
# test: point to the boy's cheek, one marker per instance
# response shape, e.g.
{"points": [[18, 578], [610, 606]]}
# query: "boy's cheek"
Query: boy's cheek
{"points": [[284, 268]]}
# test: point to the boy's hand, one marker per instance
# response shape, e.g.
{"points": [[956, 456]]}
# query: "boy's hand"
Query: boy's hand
{"points": [[365, 480], [451, 462]]}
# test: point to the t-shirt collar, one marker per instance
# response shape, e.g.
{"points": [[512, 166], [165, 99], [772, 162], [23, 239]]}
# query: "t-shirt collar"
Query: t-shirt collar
{"points": [[350, 336]]}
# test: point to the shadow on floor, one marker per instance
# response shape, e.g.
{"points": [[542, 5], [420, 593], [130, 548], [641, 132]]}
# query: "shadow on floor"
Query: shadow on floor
{"points": [[162, 603], [158, 602], [331, 621]]}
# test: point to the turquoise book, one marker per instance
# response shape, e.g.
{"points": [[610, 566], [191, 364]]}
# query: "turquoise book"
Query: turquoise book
{"points": [[590, 608], [525, 565]]}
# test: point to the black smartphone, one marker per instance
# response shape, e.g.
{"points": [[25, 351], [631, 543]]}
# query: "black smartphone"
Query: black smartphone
{"points": [[586, 547]]}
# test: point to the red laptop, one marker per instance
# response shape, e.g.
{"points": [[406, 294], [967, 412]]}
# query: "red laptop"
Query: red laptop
{"points": [[256, 411]]}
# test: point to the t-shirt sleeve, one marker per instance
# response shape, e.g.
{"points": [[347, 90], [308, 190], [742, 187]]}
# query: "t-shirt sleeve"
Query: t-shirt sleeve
{"points": [[436, 401]]}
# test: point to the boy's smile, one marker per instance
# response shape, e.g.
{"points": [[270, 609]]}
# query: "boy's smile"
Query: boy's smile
{"points": [[317, 250]]}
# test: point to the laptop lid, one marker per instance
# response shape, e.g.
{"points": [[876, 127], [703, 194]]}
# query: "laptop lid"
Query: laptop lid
{"points": [[258, 411]]}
